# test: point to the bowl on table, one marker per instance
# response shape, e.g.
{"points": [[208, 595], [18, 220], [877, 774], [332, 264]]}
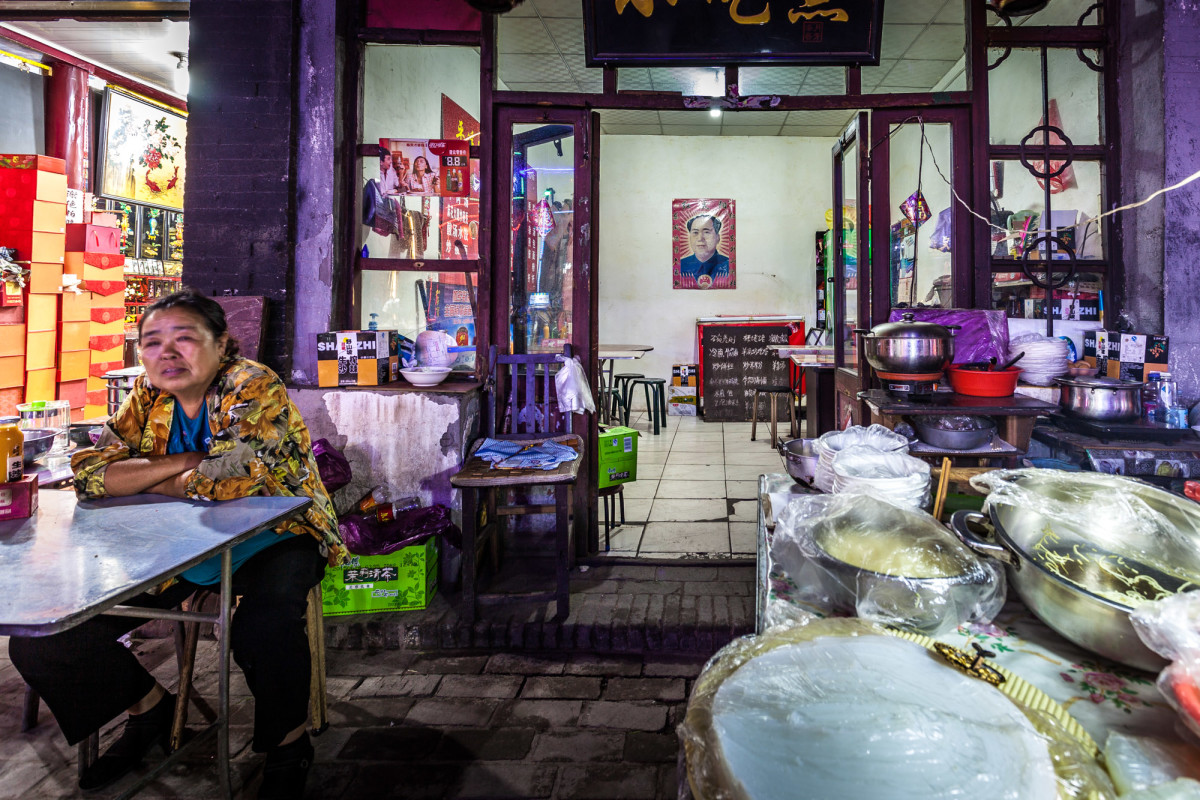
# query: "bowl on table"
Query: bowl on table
{"points": [[984, 383], [425, 376], [975, 432], [38, 442]]}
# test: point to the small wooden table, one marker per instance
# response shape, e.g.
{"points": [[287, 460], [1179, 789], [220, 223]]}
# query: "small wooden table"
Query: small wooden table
{"points": [[1017, 412]]}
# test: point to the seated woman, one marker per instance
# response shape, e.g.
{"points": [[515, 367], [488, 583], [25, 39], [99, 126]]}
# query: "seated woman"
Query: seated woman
{"points": [[204, 424]]}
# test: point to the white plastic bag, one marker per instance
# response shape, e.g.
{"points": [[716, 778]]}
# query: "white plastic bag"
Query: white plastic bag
{"points": [[574, 394], [1171, 628]]}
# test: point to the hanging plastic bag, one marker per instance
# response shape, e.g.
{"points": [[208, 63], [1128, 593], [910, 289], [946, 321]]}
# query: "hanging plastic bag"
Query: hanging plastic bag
{"points": [[1171, 628], [574, 394]]}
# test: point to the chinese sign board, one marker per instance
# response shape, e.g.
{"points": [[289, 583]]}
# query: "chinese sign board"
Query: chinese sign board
{"points": [[653, 33]]}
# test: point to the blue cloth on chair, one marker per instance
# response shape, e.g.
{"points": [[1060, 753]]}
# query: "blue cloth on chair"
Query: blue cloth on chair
{"points": [[507, 454]]}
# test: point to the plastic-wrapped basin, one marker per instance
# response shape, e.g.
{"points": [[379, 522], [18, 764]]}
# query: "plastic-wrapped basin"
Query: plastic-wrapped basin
{"points": [[984, 383]]}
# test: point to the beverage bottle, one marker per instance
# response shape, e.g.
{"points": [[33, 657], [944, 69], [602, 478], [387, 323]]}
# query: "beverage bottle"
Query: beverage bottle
{"points": [[1168, 395], [387, 512], [12, 450], [1150, 396], [376, 497]]}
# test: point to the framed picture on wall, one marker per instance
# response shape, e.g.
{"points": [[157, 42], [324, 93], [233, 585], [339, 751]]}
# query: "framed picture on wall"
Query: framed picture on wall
{"points": [[702, 241], [141, 151]]}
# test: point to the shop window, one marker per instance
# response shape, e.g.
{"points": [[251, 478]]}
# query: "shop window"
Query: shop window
{"points": [[1020, 210], [418, 193], [920, 248], [850, 254], [1015, 96], [539, 48], [1080, 299], [542, 165], [1060, 12], [806, 81]]}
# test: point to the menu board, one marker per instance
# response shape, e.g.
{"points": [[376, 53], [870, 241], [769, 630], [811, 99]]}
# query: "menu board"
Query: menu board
{"points": [[736, 360]]}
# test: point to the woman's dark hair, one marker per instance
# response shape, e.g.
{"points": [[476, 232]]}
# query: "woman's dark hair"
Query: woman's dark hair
{"points": [[208, 310]]}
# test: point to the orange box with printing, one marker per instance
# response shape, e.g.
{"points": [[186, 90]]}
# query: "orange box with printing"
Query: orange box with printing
{"points": [[74, 336], [40, 384], [74, 392], [107, 343], [41, 347], [12, 340], [94, 266], [34, 245], [73, 366], [12, 372], [106, 289], [41, 312], [37, 215], [45, 278], [97, 397], [99, 369], [9, 398], [75, 307], [104, 313], [84, 238]]}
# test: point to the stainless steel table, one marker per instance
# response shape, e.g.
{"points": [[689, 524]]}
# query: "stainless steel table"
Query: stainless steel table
{"points": [[74, 560], [609, 354]]}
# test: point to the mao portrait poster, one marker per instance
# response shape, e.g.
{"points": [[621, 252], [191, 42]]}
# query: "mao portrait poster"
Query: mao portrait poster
{"points": [[702, 239], [142, 152]]}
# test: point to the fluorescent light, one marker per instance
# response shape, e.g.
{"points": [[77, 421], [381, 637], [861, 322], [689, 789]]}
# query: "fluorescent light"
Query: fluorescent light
{"points": [[714, 112]]}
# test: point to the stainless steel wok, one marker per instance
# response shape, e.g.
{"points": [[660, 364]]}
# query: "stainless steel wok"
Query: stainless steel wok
{"points": [[1116, 541]]}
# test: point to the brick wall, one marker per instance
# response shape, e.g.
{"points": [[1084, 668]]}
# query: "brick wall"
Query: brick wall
{"points": [[239, 204]]}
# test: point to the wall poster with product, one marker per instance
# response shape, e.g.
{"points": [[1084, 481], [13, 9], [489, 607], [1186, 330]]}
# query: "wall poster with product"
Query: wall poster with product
{"points": [[702, 242]]}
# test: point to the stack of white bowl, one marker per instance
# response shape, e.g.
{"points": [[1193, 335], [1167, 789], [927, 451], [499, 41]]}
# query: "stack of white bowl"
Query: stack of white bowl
{"points": [[1045, 358], [896, 477], [833, 442]]}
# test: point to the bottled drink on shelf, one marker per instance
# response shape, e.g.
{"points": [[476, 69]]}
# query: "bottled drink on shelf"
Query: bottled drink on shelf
{"points": [[389, 511], [12, 450]]}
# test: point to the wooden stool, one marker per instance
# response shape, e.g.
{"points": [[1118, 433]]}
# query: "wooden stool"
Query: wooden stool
{"points": [[656, 407], [611, 495], [773, 392]]}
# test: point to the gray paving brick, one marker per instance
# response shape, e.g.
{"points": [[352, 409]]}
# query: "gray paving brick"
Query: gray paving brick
{"points": [[451, 711], [666, 667], [446, 665], [644, 746], [375, 712], [665, 689], [491, 744], [561, 688], [541, 714], [390, 744], [519, 664], [501, 686], [397, 686], [503, 780], [743, 574], [607, 782], [588, 664], [578, 746], [397, 780], [623, 716], [669, 782], [665, 573]]}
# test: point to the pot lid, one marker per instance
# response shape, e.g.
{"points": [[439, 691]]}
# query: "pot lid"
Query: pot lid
{"points": [[908, 328], [1089, 382]]}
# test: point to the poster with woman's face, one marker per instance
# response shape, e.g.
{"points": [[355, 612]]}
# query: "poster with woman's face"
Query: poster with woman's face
{"points": [[702, 240]]}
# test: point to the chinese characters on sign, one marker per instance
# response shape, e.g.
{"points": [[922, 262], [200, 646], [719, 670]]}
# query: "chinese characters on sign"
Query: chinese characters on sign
{"points": [[702, 32]]}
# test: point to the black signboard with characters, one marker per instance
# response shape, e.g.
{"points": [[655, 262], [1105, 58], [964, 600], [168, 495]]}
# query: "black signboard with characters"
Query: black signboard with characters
{"points": [[652, 33]]}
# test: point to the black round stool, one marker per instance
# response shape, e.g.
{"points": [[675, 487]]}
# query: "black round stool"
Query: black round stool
{"points": [[656, 407], [621, 397]]}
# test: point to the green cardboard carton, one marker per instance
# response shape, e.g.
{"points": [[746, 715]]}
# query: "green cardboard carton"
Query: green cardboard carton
{"points": [[405, 580], [617, 444], [617, 470]]}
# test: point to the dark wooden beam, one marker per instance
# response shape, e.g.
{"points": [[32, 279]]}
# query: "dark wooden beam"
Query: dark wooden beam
{"points": [[390, 36], [418, 265]]}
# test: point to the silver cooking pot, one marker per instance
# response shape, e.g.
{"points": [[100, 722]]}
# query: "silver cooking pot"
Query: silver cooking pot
{"points": [[908, 348], [1095, 547], [1101, 399]]}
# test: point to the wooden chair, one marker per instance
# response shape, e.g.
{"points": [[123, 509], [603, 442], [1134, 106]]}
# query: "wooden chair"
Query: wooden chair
{"points": [[517, 410]]}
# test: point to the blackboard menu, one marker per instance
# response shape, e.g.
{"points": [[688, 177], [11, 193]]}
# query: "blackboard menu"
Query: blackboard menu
{"points": [[735, 361]]}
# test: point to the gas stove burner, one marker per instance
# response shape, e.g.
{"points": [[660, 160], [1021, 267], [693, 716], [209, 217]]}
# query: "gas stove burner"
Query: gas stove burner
{"points": [[908, 388]]}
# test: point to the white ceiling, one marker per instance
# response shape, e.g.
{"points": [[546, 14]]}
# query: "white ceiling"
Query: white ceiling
{"points": [[140, 50], [541, 49]]}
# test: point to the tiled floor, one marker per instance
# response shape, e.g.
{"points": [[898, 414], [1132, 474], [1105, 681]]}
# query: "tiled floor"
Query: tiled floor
{"points": [[695, 492]]}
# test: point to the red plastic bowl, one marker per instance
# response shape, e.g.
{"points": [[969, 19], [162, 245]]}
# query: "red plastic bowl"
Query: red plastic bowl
{"points": [[977, 383]]}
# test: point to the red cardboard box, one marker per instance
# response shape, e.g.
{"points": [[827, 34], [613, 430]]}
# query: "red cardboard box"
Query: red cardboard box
{"points": [[97, 397], [19, 500], [93, 266], [28, 184], [11, 295], [104, 314], [106, 289], [36, 215], [34, 245], [9, 398], [107, 342], [74, 392], [84, 238], [33, 162], [99, 369]]}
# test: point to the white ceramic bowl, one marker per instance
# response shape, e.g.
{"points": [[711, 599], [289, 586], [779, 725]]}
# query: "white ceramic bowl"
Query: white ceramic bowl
{"points": [[425, 376]]}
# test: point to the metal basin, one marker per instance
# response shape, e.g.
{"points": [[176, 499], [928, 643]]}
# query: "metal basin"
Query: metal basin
{"points": [[800, 457], [1082, 568], [38, 441]]}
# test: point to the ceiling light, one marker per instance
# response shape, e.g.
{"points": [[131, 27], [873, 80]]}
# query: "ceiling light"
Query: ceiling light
{"points": [[182, 80], [714, 112]]}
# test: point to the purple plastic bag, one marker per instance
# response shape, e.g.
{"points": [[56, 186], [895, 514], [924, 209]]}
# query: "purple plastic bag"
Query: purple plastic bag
{"points": [[984, 333], [365, 535], [332, 466]]}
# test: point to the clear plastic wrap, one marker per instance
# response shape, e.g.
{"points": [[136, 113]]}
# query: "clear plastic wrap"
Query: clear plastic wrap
{"points": [[1171, 628], [896, 477], [840, 708], [830, 444], [1137, 763], [1118, 538], [849, 553], [982, 334]]}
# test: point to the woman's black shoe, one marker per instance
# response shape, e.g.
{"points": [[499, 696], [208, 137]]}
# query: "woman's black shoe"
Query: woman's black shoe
{"points": [[142, 731], [286, 770]]}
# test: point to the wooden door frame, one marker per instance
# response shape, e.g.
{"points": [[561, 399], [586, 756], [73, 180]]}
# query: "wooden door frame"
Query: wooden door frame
{"points": [[849, 379]]}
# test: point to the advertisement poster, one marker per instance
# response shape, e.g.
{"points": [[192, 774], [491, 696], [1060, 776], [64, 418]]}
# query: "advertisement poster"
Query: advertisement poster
{"points": [[702, 239], [425, 167], [449, 310], [460, 215]]}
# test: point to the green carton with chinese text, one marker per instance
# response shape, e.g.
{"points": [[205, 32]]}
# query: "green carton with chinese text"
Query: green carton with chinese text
{"points": [[405, 580]]}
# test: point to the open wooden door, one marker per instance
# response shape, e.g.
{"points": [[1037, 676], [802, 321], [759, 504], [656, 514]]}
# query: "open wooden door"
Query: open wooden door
{"points": [[851, 267]]}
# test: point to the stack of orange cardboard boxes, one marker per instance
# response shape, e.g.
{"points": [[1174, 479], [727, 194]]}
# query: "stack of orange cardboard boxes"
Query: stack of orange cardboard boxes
{"points": [[33, 215], [93, 255]]}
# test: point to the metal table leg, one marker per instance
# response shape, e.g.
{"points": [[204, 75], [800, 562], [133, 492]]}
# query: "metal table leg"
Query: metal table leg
{"points": [[223, 648]]}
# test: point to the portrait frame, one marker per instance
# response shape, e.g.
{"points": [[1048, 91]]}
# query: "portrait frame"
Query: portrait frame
{"points": [[142, 151], [684, 274]]}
